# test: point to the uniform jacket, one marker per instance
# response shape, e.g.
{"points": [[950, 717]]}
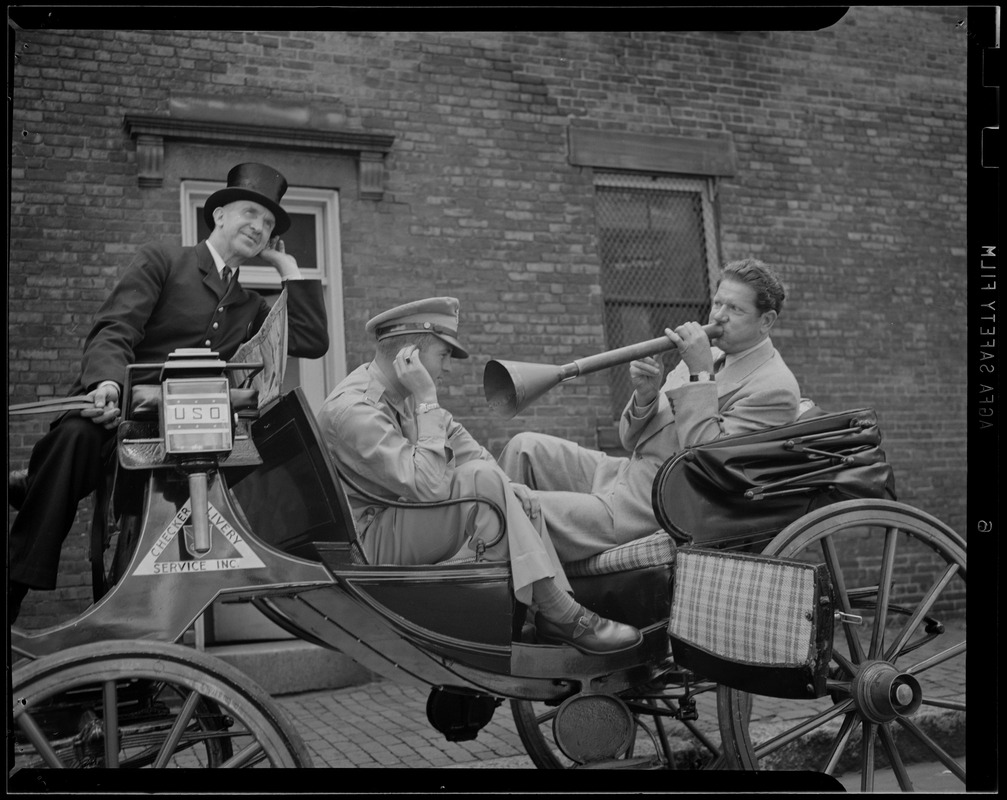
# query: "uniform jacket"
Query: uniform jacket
{"points": [[172, 297], [750, 393], [377, 438], [379, 441]]}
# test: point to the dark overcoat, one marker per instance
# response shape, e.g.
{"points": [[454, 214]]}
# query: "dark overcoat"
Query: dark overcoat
{"points": [[172, 297]]}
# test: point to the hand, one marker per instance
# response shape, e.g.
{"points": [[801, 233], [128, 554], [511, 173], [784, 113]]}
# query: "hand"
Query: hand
{"points": [[694, 346], [645, 375], [106, 406], [529, 500], [275, 254], [414, 376]]}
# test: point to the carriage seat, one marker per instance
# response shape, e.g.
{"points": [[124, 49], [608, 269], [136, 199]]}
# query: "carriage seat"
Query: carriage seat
{"points": [[650, 551], [658, 548]]}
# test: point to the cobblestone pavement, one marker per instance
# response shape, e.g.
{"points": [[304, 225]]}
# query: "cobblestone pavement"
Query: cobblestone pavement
{"points": [[383, 724]]}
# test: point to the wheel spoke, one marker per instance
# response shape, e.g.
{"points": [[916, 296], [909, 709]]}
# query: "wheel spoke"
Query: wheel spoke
{"points": [[895, 758], [704, 740], [945, 758], [954, 705], [921, 611], [175, 734], [867, 758], [836, 571], [39, 741], [800, 730], [848, 667], [111, 723], [884, 593], [662, 735], [840, 742], [937, 658], [245, 757]]}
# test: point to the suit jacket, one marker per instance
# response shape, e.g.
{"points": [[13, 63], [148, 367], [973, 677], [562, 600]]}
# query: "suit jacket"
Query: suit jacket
{"points": [[172, 297], [753, 392]]}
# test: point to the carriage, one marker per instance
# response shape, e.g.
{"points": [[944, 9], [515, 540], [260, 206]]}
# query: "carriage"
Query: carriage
{"points": [[747, 595]]}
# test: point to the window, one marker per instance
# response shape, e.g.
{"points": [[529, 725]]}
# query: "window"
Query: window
{"points": [[658, 246], [313, 239]]}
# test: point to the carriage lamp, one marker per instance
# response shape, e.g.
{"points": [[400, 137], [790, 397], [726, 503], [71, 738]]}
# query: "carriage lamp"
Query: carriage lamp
{"points": [[197, 421], [197, 416]]}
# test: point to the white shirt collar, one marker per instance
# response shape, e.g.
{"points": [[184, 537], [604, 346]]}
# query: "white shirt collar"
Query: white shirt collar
{"points": [[216, 258], [730, 359]]}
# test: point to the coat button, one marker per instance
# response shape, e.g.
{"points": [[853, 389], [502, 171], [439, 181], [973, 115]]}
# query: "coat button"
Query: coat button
{"points": [[207, 342], [216, 325], [220, 310]]}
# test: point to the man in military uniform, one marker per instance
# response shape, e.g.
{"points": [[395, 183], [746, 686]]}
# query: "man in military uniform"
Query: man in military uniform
{"points": [[386, 429]]}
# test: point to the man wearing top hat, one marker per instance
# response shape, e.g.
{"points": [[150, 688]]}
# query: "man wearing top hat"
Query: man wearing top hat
{"points": [[385, 428], [169, 297]]}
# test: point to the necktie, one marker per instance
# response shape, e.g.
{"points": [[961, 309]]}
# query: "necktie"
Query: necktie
{"points": [[225, 276], [718, 365]]}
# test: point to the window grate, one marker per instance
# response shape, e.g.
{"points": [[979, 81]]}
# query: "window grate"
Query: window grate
{"points": [[658, 246]]}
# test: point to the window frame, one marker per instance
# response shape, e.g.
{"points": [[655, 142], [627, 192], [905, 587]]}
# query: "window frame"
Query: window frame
{"points": [[706, 189]]}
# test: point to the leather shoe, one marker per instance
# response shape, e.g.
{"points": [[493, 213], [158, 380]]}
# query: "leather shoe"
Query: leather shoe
{"points": [[589, 633], [17, 487]]}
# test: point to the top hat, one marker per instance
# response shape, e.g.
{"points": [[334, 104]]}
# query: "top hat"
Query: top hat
{"points": [[436, 315], [255, 182]]}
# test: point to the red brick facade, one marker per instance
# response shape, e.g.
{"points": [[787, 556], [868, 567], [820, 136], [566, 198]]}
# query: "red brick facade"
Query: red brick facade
{"points": [[850, 177]]}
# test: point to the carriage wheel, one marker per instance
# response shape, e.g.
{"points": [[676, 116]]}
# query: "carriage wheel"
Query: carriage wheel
{"points": [[903, 572], [644, 732], [146, 704]]}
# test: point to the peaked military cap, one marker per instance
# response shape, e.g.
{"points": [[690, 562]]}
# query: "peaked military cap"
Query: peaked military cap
{"points": [[255, 182], [436, 315]]}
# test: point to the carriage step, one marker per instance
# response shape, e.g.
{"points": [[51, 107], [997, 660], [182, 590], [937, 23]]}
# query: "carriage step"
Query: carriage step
{"points": [[292, 666]]}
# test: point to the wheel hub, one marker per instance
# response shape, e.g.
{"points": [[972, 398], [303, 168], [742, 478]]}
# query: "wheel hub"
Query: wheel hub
{"points": [[882, 693], [594, 727]]}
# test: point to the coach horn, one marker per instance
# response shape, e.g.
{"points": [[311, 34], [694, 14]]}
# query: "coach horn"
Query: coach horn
{"points": [[511, 386]]}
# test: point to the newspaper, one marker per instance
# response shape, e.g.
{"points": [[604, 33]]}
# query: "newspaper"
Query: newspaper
{"points": [[268, 346]]}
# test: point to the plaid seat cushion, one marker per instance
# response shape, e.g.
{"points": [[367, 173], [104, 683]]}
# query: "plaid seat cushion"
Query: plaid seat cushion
{"points": [[651, 551], [748, 609]]}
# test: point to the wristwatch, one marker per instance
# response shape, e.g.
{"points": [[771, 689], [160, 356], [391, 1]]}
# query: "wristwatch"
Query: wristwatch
{"points": [[424, 407], [696, 377]]}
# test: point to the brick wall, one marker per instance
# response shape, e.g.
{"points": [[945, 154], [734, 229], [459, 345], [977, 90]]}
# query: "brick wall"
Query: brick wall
{"points": [[850, 146]]}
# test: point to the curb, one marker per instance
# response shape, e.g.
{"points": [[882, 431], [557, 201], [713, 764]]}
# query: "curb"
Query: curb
{"points": [[945, 728]]}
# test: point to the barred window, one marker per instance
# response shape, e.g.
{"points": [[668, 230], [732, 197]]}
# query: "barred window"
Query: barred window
{"points": [[658, 245]]}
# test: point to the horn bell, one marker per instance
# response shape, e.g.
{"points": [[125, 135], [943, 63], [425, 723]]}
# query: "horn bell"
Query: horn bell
{"points": [[511, 386]]}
